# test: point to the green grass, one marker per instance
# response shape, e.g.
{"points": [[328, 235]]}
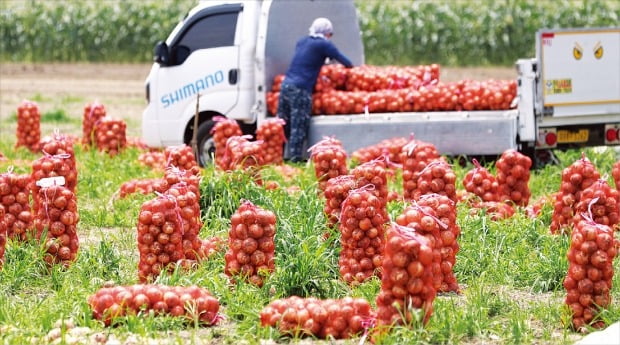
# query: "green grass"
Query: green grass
{"points": [[510, 271]]}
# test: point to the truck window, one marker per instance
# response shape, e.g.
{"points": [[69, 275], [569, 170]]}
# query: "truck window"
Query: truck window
{"points": [[216, 30]]}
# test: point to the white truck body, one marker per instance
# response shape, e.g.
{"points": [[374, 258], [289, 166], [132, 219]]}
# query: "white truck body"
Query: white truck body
{"points": [[225, 54]]}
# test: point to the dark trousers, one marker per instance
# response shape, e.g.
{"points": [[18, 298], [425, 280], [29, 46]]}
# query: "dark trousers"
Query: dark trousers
{"points": [[294, 107]]}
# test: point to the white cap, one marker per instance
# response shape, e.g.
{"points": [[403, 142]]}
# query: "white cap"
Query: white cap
{"points": [[321, 27]]}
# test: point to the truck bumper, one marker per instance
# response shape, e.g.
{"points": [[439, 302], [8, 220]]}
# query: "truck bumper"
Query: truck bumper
{"points": [[453, 133]]}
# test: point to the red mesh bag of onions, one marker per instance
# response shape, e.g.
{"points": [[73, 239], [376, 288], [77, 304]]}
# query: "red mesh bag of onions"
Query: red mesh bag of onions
{"points": [[407, 293], [436, 178], [93, 112], [144, 186], [49, 166], [271, 132], [61, 146], [513, 176], [222, 130], [374, 173], [111, 303], [590, 271], [189, 204], [424, 220], [329, 318], [336, 190], [481, 182], [160, 237], [181, 157], [329, 159], [58, 216], [575, 178], [414, 157], [602, 201], [3, 234], [110, 135], [615, 173], [15, 197], [28, 126], [447, 243], [251, 247], [362, 228]]}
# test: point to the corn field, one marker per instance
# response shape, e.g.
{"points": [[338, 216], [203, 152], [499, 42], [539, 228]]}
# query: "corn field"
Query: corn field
{"points": [[454, 33]]}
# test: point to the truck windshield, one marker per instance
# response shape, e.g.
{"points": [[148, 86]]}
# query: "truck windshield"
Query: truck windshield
{"points": [[216, 30]]}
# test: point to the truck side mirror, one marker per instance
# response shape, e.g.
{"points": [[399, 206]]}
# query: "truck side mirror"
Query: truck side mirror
{"points": [[162, 56]]}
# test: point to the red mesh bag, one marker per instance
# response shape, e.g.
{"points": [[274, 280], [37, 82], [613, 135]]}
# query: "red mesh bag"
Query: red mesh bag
{"points": [[481, 182], [575, 178], [494, 209], [144, 186], [245, 155], [193, 303], [590, 271], [58, 215], [414, 157], [536, 207], [175, 175], [3, 234], [389, 147], [58, 165], [423, 219], [110, 135], [407, 279], [251, 247], [153, 159], [436, 178], [271, 133], [449, 233], [160, 237], [336, 191], [373, 173], [222, 130], [329, 318], [189, 203], [93, 112], [181, 157], [15, 197], [28, 126], [137, 143], [602, 201], [272, 102], [60, 145], [513, 176], [362, 228], [615, 173], [329, 159]]}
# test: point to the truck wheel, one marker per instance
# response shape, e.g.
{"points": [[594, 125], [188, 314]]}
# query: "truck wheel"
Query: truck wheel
{"points": [[206, 145]]}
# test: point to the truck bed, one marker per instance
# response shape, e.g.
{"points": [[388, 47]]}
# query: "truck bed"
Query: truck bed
{"points": [[484, 132]]}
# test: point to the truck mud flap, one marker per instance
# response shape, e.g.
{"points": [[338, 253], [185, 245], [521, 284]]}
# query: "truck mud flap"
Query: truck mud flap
{"points": [[453, 133]]}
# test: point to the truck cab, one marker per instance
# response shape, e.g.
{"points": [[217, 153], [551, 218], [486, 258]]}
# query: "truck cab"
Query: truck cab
{"points": [[220, 60]]}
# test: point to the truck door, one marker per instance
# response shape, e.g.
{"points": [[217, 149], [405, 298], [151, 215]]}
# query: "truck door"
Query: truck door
{"points": [[203, 60]]}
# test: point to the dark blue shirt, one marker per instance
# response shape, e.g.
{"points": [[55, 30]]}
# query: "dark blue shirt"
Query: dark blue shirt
{"points": [[310, 54]]}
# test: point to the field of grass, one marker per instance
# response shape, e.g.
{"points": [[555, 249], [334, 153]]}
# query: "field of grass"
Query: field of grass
{"points": [[510, 271]]}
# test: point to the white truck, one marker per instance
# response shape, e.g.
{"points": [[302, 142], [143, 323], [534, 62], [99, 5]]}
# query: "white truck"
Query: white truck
{"points": [[221, 60]]}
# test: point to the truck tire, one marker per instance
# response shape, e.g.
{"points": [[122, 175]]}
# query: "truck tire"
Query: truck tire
{"points": [[206, 145]]}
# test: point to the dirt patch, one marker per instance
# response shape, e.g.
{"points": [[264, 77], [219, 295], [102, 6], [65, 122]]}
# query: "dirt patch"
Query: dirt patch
{"points": [[68, 87]]}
